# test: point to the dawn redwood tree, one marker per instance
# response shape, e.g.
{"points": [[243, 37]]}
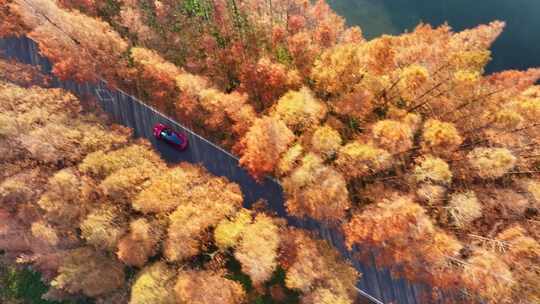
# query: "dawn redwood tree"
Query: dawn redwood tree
{"points": [[21, 188], [141, 243], [487, 273], [401, 227], [326, 141], [58, 32], [463, 208], [65, 201], [54, 105], [22, 74], [257, 249], [199, 210], [356, 159], [88, 271], [46, 143], [124, 184], [43, 231], [309, 265], [432, 169], [440, 137], [103, 163], [266, 81], [104, 227], [10, 23], [156, 77], [228, 232], [522, 251], [491, 162], [206, 287], [299, 110], [316, 190], [392, 135], [162, 192], [154, 284], [263, 144]]}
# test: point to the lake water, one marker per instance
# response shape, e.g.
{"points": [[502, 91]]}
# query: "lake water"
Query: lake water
{"points": [[517, 48]]}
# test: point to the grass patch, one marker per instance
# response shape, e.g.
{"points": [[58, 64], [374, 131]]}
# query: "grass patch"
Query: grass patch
{"points": [[25, 286]]}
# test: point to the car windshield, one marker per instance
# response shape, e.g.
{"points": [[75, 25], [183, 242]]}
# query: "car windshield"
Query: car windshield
{"points": [[172, 137]]}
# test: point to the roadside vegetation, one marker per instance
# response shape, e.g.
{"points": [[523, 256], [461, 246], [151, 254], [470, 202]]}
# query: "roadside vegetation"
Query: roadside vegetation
{"points": [[402, 142], [101, 216]]}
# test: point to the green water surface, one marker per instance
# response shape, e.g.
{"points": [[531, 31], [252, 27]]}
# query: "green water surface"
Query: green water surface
{"points": [[517, 48]]}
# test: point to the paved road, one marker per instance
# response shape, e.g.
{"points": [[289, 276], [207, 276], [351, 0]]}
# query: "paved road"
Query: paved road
{"points": [[377, 285]]}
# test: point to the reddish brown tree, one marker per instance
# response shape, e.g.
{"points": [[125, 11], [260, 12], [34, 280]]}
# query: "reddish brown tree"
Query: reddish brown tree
{"points": [[263, 145]]}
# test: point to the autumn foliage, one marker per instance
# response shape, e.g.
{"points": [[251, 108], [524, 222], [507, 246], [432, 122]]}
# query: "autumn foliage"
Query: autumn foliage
{"points": [[428, 156], [92, 203], [403, 142]]}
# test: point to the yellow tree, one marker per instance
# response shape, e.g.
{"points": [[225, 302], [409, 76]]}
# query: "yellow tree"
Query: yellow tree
{"points": [[154, 284], [50, 105], [316, 269], [124, 184], [316, 190], [43, 231], [21, 187], [161, 195], [289, 160], [299, 110], [343, 62], [491, 162], [440, 137], [69, 143], [258, 249], [229, 231], [199, 210], [432, 170], [356, 159], [101, 164], [326, 141], [67, 199], [392, 135], [463, 208], [103, 227], [206, 287]]}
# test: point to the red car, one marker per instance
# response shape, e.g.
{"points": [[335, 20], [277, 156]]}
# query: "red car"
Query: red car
{"points": [[168, 135]]}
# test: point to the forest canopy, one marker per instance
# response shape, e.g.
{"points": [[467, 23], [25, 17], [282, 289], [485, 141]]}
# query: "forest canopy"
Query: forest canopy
{"points": [[402, 142], [100, 215]]}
